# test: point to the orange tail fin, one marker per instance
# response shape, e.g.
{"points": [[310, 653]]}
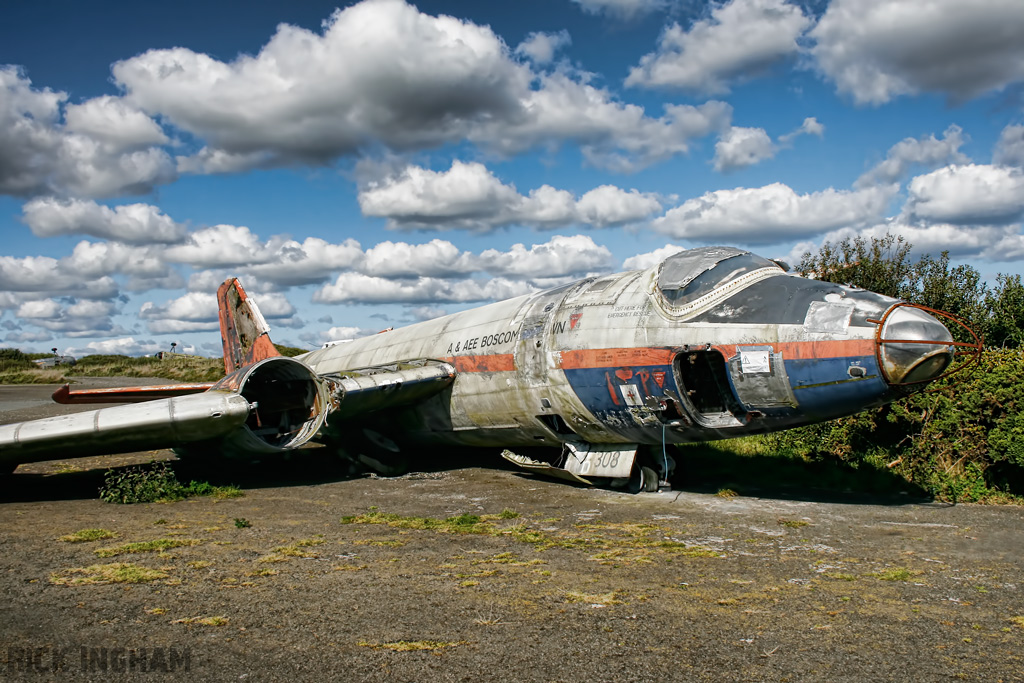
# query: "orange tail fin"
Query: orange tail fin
{"points": [[243, 331]]}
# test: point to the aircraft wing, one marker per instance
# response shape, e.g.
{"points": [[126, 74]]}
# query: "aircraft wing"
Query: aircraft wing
{"points": [[164, 423], [272, 406]]}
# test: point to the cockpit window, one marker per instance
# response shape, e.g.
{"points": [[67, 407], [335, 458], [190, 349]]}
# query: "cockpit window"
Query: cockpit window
{"points": [[693, 273]]}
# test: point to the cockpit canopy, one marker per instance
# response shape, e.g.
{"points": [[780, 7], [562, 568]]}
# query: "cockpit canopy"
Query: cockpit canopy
{"points": [[691, 274]]}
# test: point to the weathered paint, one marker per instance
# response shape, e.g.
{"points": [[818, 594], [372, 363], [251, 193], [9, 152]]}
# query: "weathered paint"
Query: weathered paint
{"points": [[244, 331], [66, 396]]}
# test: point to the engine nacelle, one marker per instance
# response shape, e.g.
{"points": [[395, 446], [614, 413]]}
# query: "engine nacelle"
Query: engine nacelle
{"points": [[288, 406]]}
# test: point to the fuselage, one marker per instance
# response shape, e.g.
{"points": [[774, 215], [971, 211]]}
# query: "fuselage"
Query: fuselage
{"points": [[712, 343]]}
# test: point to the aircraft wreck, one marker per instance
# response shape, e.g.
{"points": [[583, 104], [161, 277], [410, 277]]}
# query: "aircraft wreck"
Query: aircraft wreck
{"points": [[588, 381]]}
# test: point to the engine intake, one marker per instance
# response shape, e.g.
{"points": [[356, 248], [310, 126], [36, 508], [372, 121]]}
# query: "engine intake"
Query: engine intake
{"points": [[288, 405]]}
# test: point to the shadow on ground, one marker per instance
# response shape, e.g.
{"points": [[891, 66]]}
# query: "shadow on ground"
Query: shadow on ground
{"points": [[702, 468], [699, 469], [81, 479]]}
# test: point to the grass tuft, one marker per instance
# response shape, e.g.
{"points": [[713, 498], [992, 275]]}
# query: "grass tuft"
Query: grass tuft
{"points": [[203, 621], [611, 542], [897, 574], [85, 535], [157, 545], [118, 572], [792, 523], [461, 524], [297, 549], [611, 598]]}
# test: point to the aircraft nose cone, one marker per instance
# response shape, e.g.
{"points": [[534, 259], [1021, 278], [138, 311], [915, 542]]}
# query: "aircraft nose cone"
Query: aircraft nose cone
{"points": [[914, 347]]}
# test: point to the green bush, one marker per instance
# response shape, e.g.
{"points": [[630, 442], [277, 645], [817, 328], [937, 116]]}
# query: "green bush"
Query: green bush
{"points": [[156, 482], [290, 351], [13, 361], [141, 484], [963, 441]]}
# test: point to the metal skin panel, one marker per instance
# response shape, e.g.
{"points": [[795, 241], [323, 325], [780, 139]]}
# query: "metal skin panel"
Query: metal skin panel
{"points": [[532, 465], [163, 423]]}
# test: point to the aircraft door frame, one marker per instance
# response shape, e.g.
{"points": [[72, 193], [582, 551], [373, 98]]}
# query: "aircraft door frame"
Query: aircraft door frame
{"points": [[702, 375]]}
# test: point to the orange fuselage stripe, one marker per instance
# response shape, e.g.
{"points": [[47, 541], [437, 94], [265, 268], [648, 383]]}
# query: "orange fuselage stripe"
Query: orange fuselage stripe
{"points": [[845, 348], [498, 362], [606, 358], [624, 357]]}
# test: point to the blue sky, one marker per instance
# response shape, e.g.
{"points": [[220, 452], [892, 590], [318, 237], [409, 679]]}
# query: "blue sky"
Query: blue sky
{"points": [[370, 164]]}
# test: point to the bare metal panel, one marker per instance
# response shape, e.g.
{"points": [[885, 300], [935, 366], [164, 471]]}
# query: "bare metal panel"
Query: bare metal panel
{"points": [[121, 429], [686, 266], [831, 317], [543, 468]]}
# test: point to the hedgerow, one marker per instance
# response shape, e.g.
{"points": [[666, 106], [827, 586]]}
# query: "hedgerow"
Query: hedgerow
{"points": [[964, 441]]}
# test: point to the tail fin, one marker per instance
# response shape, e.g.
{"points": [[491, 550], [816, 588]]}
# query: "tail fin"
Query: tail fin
{"points": [[243, 331]]}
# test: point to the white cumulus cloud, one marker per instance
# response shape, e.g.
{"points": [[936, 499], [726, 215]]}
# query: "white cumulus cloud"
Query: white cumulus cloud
{"points": [[48, 275], [112, 120], [470, 196], [290, 263], [739, 147], [772, 213], [106, 147], [875, 50], [359, 288], [624, 9], [560, 256], [541, 47], [651, 258], [740, 38], [436, 258], [220, 245], [131, 223], [968, 194], [382, 73], [1010, 147], [926, 151]]}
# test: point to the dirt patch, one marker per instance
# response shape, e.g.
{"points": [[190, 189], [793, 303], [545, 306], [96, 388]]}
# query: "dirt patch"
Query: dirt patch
{"points": [[475, 574]]}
